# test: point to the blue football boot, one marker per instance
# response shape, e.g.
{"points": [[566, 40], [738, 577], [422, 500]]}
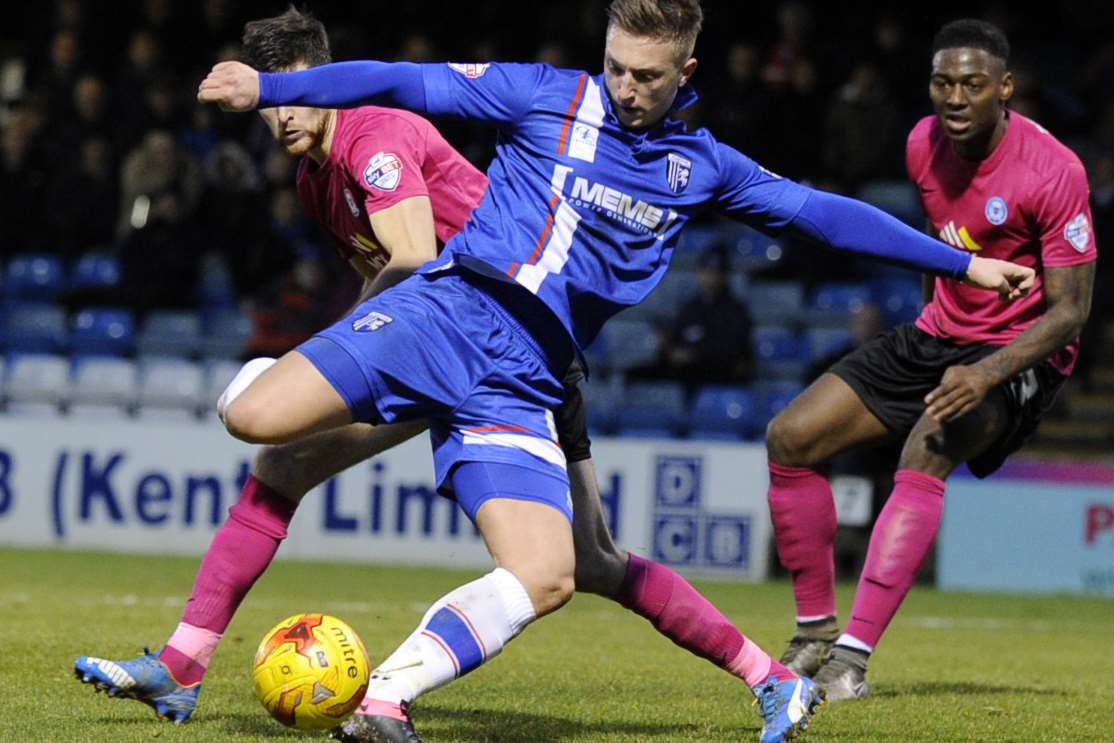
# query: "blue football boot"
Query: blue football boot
{"points": [[786, 706], [144, 679]]}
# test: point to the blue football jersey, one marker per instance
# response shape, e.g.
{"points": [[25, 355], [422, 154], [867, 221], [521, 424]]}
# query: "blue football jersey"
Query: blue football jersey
{"points": [[581, 211]]}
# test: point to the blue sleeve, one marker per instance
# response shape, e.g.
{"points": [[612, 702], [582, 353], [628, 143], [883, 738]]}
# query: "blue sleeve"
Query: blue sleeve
{"points": [[499, 93], [346, 85], [846, 224], [765, 201], [753, 195]]}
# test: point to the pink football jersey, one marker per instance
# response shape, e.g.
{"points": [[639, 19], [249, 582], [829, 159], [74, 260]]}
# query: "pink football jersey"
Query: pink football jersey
{"points": [[1026, 203], [379, 157]]}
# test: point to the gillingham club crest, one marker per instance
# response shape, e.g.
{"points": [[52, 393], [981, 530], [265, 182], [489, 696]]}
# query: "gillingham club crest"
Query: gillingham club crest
{"points": [[996, 210], [677, 171], [384, 171]]}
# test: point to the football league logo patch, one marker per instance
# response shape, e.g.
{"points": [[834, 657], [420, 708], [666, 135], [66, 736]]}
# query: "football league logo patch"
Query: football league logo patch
{"points": [[996, 210], [1078, 233], [384, 171], [678, 170], [371, 322], [469, 70]]}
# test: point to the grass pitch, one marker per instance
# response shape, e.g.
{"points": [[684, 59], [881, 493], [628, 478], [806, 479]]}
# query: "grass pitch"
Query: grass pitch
{"points": [[954, 667]]}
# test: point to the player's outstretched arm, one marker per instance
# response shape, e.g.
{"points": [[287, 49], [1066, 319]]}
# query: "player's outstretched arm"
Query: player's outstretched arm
{"points": [[853, 226], [234, 86]]}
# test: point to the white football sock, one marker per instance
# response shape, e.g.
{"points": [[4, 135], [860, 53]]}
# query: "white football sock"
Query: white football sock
{"points": [[465, 628]]}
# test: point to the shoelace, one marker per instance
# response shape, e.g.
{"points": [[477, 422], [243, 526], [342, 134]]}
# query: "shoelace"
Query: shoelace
{"points": [[767, 699]]}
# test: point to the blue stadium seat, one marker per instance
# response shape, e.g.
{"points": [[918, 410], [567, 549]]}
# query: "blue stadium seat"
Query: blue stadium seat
{"points": [[36, 327], [217, 374], [723, 412], [170, 333], [95, 271], [602, 401], [898, 198], [777, 343], [102, 386], [226, 333], [36, 383], [108, 331], [34, 277], [821, 342], [630, 343], [171, 387], [841, 297], [775, 301], [216, 288], [779, 353], [774, 396], [901, 300], [652, 410]]}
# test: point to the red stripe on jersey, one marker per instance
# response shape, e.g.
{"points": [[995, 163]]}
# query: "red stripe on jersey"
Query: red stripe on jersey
{"points": [[572, 112], [489, 429], [545, 233], [513, 268]]}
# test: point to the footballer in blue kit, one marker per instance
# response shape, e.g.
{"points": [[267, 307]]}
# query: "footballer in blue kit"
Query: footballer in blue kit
{"points": [[592, 183]]}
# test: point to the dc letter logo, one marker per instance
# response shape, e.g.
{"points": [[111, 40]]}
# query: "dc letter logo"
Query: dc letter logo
{"points": [[371, 322], [384, 171], [996, 210]]}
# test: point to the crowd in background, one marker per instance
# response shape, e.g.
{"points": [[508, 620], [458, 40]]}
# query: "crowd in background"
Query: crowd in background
{"points": [[103, 147]]}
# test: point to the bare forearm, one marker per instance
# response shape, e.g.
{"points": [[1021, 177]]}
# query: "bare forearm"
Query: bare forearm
{"points": [[1058, 327]]}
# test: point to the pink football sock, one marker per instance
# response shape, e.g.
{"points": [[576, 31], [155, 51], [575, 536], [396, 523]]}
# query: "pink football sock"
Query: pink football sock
{"points": [[241, 550], [681, 613], [804, 517], [899, 542]]}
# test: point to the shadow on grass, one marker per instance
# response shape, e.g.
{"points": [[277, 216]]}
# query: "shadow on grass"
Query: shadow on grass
{"points": [[937, 688], [503, 726], [530, 727]]}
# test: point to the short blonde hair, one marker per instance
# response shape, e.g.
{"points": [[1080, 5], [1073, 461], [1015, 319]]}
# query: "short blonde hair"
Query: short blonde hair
{"points": [[678, 21]]}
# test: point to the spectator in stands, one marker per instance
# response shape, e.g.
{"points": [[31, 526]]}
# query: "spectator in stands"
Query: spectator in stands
{"points": [[157, 166], [862, 135], [709, 339], [23, 180], [129, 104], [54, 84], [740, 116], [160, 258], [82, 201]]}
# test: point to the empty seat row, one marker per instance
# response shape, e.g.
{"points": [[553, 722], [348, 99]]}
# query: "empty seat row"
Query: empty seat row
{"points": [[35, 327], [660, 409], [97, 385]]}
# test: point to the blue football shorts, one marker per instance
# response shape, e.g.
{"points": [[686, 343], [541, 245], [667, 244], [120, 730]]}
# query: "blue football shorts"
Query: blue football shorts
{"points": [[444, 347]]}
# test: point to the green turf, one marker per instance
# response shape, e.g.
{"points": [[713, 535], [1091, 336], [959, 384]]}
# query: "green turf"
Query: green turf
{"points": [[954, 667]]}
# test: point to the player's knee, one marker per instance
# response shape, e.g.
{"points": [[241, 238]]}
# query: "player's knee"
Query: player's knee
{"points": [[248, 420], [788, 442], [550, 586]]}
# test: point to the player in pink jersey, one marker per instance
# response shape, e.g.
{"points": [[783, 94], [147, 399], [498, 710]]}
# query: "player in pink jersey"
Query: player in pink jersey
{"points": [[390, 191], [967, 383]]}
